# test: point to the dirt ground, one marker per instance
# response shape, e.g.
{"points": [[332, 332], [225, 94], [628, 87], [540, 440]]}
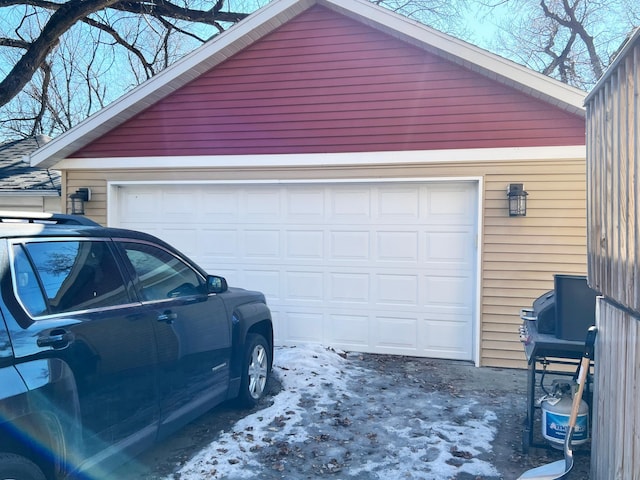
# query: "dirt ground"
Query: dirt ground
{"points": [[501, 391]]}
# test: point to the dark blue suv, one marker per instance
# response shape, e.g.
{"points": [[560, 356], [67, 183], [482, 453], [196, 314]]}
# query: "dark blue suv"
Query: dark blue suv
{"points": [[109, 340]]}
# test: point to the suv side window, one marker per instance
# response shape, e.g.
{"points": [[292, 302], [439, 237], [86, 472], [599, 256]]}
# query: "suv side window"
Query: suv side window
{"points": [[67, 276], [162, 275], [27, 286]]}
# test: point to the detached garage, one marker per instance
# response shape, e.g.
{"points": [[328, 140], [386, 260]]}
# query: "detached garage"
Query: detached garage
{"points": [[353, 165]]}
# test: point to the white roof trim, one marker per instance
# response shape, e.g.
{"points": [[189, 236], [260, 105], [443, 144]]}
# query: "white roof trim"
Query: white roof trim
{"points": [[269, 18], [423, 157]]}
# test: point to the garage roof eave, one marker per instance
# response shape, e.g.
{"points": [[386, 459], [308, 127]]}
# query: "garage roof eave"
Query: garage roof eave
{"points": [[271, 17]]}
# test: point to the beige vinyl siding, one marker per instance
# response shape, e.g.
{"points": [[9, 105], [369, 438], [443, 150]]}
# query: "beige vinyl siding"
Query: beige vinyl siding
{"points": [[519, 255], [31, 203]]}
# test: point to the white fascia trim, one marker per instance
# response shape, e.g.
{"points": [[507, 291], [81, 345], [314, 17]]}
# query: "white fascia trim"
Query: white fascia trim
{"points": [[294, 181], [577, 152], [477, 317]]}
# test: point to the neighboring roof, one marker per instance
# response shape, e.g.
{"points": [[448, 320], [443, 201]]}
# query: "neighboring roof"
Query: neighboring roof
{"points": [[271, 17], [17, 174]]}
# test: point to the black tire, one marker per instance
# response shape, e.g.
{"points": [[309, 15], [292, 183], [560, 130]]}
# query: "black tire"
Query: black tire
{"points": [[17, 467], [256, 369]]}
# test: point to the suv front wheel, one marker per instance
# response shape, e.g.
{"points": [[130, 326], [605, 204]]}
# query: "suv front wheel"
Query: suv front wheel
{"points": [[17, 467], [255, 370]]}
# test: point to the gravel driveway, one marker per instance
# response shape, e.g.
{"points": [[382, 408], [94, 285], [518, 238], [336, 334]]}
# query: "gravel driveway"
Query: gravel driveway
{"points": [[361, 416]]}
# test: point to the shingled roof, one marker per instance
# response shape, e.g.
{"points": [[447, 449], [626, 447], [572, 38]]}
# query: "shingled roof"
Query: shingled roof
{"points": [[17, 175]]}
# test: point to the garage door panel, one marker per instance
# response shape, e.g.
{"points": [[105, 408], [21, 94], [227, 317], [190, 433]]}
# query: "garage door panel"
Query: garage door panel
{"points": [[177, 206], [185, 236], [305, 205], [266, 281], [395, 333], [349, 288], [446, 337], [451, 246], [264, 243], [378, 267], [398, 205], [304, 286], [141, 206], [350, 205], [349, 245], [397, 246], [349, 331], [219, 207], [305, 244], [449, 291], [447, 206], [262, 206], [216, 245], [397, 289], [303, 326]]}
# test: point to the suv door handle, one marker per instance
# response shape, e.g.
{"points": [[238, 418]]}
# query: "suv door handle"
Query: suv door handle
{"points": [[57, 338], [167, 317]]}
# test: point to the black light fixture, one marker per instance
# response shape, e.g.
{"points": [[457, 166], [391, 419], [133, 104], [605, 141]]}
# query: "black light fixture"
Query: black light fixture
{"points": [[78, 198], [517, 200]]}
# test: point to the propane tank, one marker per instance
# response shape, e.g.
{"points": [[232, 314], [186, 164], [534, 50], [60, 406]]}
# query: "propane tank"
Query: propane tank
{"points": [[556, 410]]}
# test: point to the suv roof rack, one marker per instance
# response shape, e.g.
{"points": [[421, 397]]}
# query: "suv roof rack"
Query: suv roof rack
{"points": [[44, 217]]}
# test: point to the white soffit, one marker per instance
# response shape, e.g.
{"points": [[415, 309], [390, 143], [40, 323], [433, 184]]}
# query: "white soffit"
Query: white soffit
{"points": [[271, 17]]}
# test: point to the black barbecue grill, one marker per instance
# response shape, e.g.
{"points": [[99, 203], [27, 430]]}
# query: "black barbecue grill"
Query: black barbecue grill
{"points": [[553, 331]]}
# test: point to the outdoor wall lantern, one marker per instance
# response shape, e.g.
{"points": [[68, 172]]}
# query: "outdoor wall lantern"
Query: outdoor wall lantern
{"points": [[517, 200], [78, 199]]}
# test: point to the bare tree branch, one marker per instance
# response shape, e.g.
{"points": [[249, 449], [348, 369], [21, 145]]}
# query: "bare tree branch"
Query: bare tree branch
{"points": [[576, 27], [12, 42], [66, 15], [148, 67], [37, 124], [61, 20]]}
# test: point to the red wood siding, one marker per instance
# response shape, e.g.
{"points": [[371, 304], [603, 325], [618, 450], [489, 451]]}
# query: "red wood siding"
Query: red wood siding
{"points": [[326, 83]]}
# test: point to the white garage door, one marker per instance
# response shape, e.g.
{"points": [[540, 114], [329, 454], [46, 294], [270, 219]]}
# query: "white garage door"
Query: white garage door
{"points": [[372, 267]]}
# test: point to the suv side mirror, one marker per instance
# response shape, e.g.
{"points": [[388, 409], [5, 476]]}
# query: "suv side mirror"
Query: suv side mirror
{"points": [[216, 284]]}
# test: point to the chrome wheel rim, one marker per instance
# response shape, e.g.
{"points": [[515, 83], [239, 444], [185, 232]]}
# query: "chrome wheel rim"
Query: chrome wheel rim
{"points": [[258, 368]]}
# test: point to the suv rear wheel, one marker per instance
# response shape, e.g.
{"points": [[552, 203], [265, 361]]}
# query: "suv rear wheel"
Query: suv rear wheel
{"points": [[17, 467], [255, 370]]}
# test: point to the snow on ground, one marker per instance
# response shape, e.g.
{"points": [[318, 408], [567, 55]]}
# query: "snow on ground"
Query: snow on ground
{"points": [[333, 416]]}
